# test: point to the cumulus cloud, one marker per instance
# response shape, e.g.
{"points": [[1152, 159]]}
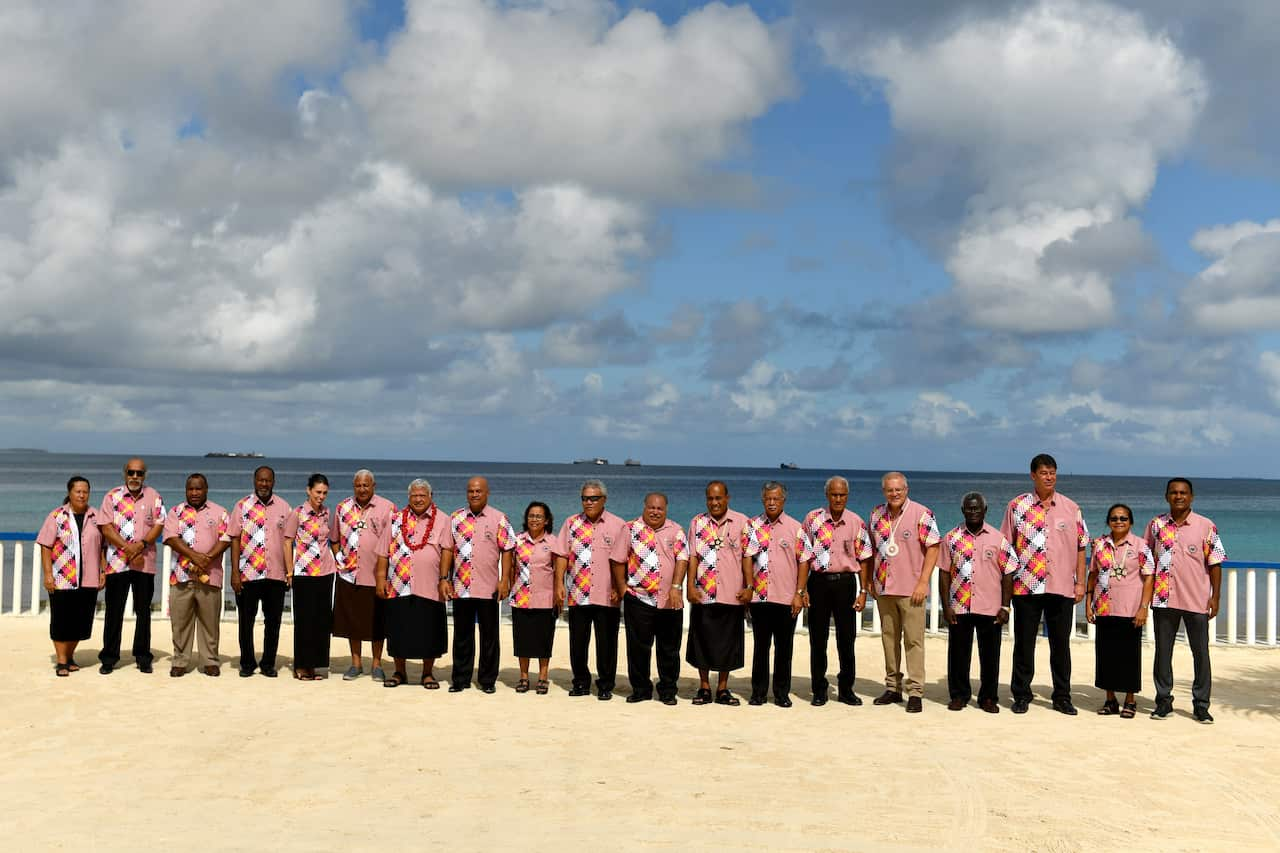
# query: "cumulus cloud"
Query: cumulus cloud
{"points": [[1045, 124], [1240, 289], [477, 92]]}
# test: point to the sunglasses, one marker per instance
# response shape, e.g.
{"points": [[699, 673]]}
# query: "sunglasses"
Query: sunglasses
{"points": [[590, 499], [1112, 519], [136, 472]]}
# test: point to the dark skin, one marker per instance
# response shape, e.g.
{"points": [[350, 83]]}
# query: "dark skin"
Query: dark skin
{"points": [[477, 500], [264, 485], [362, 489], [655, 515], [1180, 497], [1120, 524], [197, 495], [135, 477], [975, 515], [837, 500], [717, 497], [78, 503], [593, 501], [774, 502], [419, 504], [535, 521]]}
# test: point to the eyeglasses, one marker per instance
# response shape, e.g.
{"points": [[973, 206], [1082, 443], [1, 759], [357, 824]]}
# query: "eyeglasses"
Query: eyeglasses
{"points": [[1112, 519], [135, 472], [590, 499]]}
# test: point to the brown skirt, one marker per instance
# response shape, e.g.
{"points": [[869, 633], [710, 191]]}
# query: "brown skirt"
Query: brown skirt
{"points": [[358, 613]]}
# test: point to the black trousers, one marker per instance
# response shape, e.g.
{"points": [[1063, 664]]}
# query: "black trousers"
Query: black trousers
{"points": [[772, 624], [605, 620], [1058, 613], [1197, 625], [270, 594], [832, 595], [960, 655], [117, 590], [466, 613], [645, 625]]}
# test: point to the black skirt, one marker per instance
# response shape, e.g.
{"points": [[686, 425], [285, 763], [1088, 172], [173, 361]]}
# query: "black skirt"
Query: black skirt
{"points": [[1117, 655], [716, 637], [533, 631], [417, 628], [358, 613], [71, 614], [312, 620]]}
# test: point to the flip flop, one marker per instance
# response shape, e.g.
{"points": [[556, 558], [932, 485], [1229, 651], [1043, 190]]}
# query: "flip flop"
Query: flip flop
{"points": [[62, 670], [397, 678], [1109, 708], [541, 689], [724, 697], [702, 697], [72, 666], [522, 686], [1130, 710], [430, 683]]}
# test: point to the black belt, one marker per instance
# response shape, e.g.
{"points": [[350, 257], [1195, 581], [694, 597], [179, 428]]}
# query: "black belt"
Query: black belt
{"points": [[835, 576]]}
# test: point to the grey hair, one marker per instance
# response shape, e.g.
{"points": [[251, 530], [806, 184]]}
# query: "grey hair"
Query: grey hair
{"points": [[893, 475], [981, 499], [831, 481], [363, 472], [420, 484], [596, 484], [772, 485]]}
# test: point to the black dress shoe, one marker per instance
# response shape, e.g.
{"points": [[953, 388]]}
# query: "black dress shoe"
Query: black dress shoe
{"points": [[270, 673], [957, 704], [579, 691], [669, 700], [638, 697], [990, 706], [604, 695], [914, 705], [889, 697], [818, 700], [245, 673], [756, 700], [456, 688], [849, 699], [1202, 715], [144, 668], [488, 688], [1020, 706], [1064, 706], [106, 669], [783, 702]]}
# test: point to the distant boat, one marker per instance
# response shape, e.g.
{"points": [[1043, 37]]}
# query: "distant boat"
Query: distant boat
{"points": [[593, 461], [788, 466], [226, 454], [633, 463]]}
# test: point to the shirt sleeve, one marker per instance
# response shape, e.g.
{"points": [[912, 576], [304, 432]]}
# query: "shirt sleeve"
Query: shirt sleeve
{"points": [[1006, 526], [1008, 558], [1150, 534], [750, 540], [170, 524], [622, 545], [1082, 531], [1146, 562], [862, 545], [236, 521], [291, 525], [222, 528], [450, 542], [560, 542], [928, 529], [106, 516], [506, 535], [681, 546], [1214, 553], [48, 531], [158, 513], [804, 548], [944, 555]]}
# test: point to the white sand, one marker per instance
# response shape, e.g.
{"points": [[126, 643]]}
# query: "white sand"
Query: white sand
{"points": [[132, 761]]}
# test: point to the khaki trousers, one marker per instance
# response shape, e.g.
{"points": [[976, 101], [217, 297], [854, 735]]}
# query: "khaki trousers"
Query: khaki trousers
{"points": [[194, 608], [902, 623]]}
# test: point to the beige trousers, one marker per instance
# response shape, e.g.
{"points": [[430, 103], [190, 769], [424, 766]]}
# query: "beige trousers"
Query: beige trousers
{"points": [[902, 623], [195, 608]]}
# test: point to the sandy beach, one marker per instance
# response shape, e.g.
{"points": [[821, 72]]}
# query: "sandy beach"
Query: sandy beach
{"points": [[132, 761]]}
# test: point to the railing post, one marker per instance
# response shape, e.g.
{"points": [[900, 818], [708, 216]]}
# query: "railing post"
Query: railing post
{"points": [[1, 573], [166, 563], [1251, 607], [875, 616], [1271, 608], [37, 576], [1091, 630], [15, 591], [1233, 590], [934, 605]]}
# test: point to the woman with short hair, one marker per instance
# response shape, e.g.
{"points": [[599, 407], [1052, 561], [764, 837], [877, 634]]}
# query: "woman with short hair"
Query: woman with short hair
{"points": [[71, 554]]}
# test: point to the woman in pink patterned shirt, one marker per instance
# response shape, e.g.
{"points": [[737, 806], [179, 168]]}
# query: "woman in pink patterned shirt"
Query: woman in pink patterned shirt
{"points": [[531, 578], [1118, 597], [71, 555], [311, 567]]}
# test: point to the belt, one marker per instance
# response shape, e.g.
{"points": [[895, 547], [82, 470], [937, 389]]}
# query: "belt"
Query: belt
{"points": [[835, 576]]}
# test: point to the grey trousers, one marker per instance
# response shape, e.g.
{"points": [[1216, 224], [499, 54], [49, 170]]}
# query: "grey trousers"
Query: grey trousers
{"points": [[1197, 624]]}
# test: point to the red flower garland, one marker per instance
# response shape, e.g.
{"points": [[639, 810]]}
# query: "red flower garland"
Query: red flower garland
{"points": [[404, 528]]}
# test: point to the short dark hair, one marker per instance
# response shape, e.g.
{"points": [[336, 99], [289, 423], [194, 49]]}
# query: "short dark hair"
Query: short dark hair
{"points": [[264, 468], [317, 479], [71, 484], [1190, 487], [1115, 507], [546, 510], [198, 476], [721, 483], [1043, 460]]}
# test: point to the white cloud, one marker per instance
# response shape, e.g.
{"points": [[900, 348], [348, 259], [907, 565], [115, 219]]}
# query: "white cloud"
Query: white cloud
{"points": [[937, 415], [481, 93], [1240, 290]]}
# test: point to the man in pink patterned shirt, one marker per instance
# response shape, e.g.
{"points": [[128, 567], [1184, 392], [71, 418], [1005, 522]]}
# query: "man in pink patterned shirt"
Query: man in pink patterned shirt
{"points": [[258, 570], [841, 558], [1189, 557], [717, 588], [649, 564], [196, 531], [131, 520], [1049, 535], [905, 536]]}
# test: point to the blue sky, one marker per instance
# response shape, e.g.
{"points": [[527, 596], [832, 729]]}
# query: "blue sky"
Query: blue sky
{"points": [[851, 234]]}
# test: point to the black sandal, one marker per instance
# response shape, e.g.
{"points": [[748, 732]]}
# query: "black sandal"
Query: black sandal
{"points": [[541, 689], [1130, 711], [397, 678], [61, 670], [702, 697], [522, 686], [1109, 708], [430, 683], [724, 697]]}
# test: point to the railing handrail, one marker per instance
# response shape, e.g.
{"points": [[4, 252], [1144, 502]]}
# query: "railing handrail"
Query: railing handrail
{"points": [[1251, 564], [6, 536]]}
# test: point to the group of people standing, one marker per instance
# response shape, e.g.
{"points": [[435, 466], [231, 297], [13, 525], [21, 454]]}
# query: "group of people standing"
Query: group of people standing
{"points": [[371, 572]]}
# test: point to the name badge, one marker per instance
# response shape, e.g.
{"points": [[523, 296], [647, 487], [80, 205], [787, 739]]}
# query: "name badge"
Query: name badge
{"points": [[608, 540], [989, 554], [1062, 525], [359, 525], [488, 534], [1193, 551], [546, 548], [906, 534]]}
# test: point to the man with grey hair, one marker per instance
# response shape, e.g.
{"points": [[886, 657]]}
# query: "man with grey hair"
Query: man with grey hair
{"points": [[975, 585], [584, 581], [841, 557], [360, 536], [905, 536]]}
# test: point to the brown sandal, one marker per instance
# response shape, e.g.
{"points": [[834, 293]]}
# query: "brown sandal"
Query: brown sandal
{"points": [[1109, 708], [522, 686], [1130, 711], [541, 689]]}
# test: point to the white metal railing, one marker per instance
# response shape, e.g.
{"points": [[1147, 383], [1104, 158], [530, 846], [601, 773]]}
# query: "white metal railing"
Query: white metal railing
{"points": [[1243, 612]]}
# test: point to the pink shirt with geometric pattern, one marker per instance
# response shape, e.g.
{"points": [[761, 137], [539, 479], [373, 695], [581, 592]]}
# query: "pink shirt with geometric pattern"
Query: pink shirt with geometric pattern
{"points": [[1120, 567], [776, 550], [651, 556], [838, 546], [309, 530], [1048, 539], [77, 553], [586, 546], [1184, 554], [534, 583], [722, 560], [372, 526], [977, 563], [479, 540], [208, 527], [914, 530], [135, 516], [259, 527]]}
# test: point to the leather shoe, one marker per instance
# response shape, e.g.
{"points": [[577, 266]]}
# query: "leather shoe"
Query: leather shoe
{"points": [[456, 688], [756, 700], [604, 695], [269, 673], [783, 702], [914, 705], [669, 700], [1064, 706], [850, 698], [579, 691], [638, 697], [819, 699], [1020, 706], [488, 688], [956, 705], [990, 706], [177, 672], [144, 668], [245, 673], [1202, 715], [213, 671], [887, 698], [105, 669]]}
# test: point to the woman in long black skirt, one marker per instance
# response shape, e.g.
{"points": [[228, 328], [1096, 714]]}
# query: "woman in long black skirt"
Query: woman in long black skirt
{"points": [[306, 549], [531, 579], [1121, 575], [71, 555]]}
